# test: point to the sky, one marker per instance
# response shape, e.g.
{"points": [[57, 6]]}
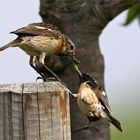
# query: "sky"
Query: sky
{"points": [[14, 62], [119, 45]]}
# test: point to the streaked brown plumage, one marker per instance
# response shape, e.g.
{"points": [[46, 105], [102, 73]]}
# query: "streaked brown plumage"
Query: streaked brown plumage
{"points": [[92, 100], [39, 40]]}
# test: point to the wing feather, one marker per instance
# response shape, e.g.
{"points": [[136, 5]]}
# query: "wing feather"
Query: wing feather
{"points": [[38, 29], [98, 90]]}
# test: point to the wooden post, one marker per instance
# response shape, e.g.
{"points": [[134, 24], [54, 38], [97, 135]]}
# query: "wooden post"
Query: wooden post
{"points": [[34, 111]]}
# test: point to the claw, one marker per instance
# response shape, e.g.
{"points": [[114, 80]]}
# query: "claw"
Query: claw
{"points": [[45, 78], [39, 77]]}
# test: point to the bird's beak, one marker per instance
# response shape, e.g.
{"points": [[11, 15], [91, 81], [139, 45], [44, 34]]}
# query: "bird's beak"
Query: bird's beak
{"points": [[75, 60]]}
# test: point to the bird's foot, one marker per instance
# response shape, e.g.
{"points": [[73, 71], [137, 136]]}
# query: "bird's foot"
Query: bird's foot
{"points": [[45, 78], [53, 74]]}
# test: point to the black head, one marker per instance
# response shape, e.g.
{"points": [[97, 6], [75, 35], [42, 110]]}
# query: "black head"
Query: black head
{"points": [[86, 77], [91, 81]]}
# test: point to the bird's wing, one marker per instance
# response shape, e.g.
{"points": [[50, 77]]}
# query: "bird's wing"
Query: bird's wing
{"points": [[100, 93], [36, 29], [87, 100]]}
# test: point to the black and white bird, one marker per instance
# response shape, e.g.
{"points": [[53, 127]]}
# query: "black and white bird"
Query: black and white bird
{"points": [[92, 100]]}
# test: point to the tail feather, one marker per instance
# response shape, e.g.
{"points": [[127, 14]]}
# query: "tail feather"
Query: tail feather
{"points": [[11, 44], [115, 122]]}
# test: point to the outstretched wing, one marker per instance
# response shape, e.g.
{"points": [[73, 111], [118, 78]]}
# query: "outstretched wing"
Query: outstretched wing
{"points": [[38, 29]]}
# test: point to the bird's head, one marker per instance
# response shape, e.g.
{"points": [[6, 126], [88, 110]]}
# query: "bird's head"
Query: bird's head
{"points": [[68, 46], [84, 77]]}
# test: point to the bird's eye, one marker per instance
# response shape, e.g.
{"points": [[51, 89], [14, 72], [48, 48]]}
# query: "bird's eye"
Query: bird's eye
{"points": [[71, 47]]}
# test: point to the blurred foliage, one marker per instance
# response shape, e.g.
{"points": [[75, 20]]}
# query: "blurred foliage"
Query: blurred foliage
{"points": [[131, 129], [133, 13], [129, 118]]}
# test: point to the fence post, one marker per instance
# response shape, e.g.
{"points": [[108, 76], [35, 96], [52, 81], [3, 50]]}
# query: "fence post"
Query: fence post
{"points": [[34, 111]]}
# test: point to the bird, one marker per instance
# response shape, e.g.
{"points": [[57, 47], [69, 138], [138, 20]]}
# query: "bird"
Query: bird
{"points": [[92, 100], [39, 40]]}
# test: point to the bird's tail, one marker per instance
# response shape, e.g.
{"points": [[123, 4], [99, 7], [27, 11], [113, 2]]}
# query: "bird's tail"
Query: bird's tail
{"points": [[115, 122], [11, 44]]}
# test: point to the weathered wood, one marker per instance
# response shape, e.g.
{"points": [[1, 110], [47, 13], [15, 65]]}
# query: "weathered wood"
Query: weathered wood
{"points": [[34, 111]]}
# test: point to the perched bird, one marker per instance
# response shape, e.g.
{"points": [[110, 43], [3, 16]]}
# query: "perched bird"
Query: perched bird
{"points": [[39, 40], [92, 100]]}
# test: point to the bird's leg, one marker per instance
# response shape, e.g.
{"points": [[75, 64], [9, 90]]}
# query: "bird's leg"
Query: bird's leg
{"points": [[55, 75], [52, 73], [41, 61], [35, 68]]}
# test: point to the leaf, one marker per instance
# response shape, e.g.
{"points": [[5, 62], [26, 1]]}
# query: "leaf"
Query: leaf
{"points": [[133, 12], [139, 18]]}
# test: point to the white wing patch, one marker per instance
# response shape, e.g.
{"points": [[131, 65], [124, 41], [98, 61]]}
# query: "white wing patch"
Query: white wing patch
{"points": [[39, 27], [103, 93], [50, 29]]}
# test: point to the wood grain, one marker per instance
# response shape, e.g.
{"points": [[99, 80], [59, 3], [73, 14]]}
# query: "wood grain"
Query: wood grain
{"points": [[34, 111]]}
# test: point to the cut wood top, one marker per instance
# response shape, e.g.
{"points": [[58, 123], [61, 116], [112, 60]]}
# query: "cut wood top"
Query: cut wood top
{"points": [[40, 87]]}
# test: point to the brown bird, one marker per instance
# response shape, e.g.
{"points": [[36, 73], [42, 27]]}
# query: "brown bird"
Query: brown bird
{"points": [[92, 100], [39, 40]]}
